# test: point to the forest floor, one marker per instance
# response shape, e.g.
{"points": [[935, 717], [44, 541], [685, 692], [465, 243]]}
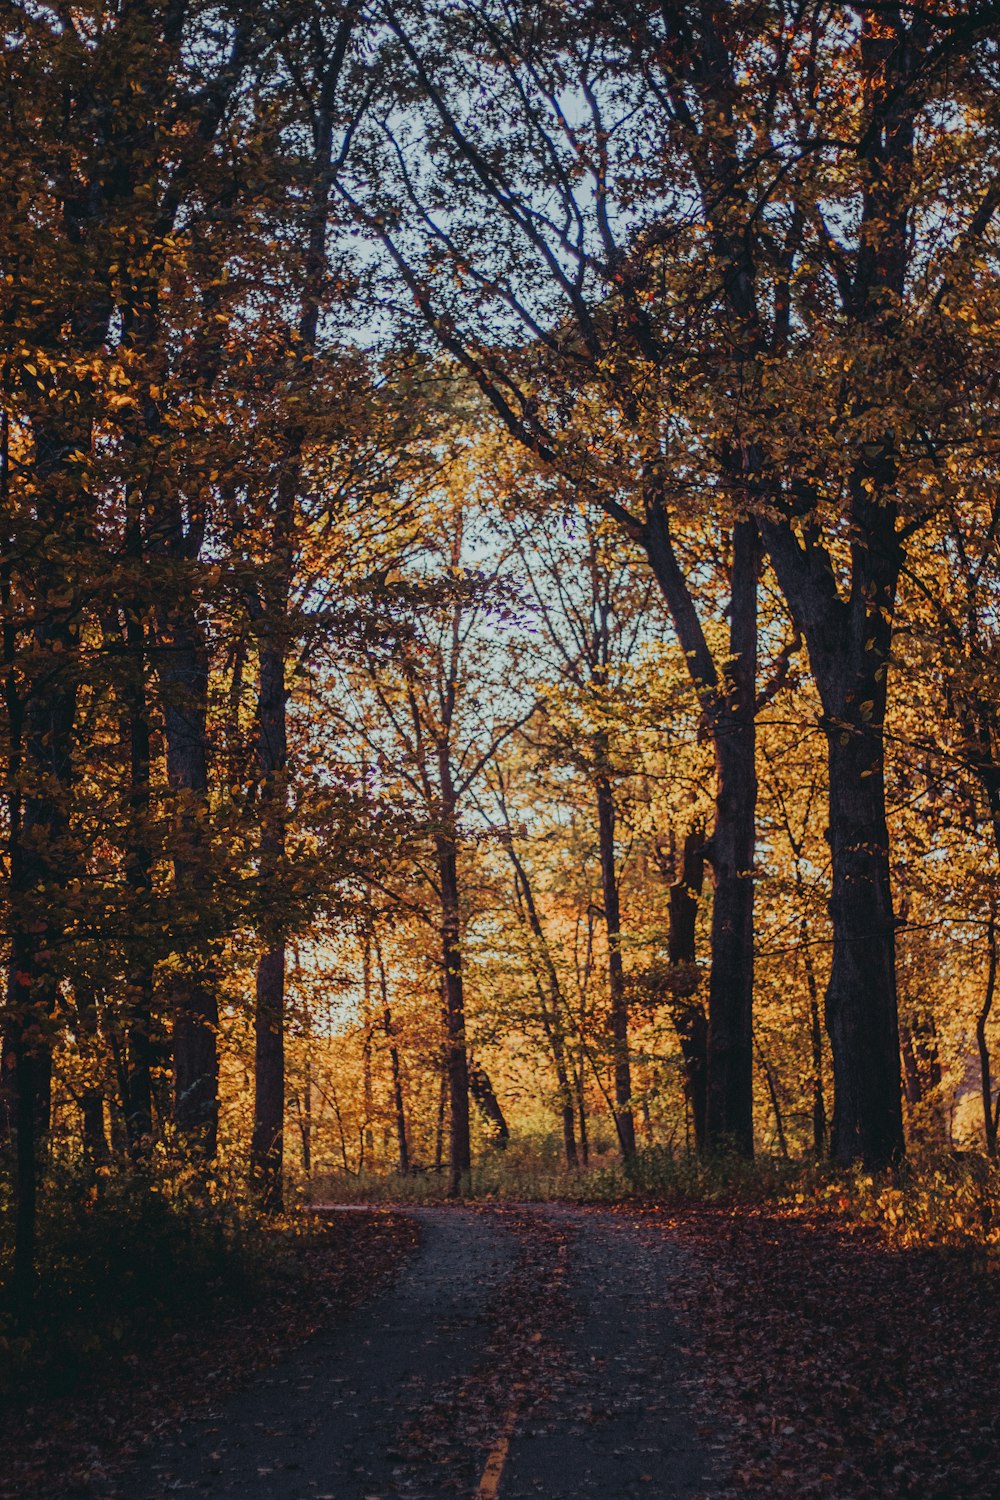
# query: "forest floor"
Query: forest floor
{"points": [[101, 1381], [555, 1350]]}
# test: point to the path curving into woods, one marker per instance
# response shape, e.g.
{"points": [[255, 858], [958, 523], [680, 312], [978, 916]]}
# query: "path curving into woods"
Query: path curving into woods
{"points": [[523, 1352]]}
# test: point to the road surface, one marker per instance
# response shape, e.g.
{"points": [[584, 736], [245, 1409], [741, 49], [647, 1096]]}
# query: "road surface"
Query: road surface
{"points": [[522, 1353]]}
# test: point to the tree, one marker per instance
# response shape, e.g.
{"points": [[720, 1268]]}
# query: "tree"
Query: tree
{"points": [[702, 287], [440, 714]]}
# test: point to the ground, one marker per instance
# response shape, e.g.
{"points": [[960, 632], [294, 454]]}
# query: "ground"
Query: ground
{"points": [[562, 1350], [527, 1353]]}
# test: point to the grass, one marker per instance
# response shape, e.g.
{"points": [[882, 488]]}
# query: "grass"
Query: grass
{"points": [[533, 1172], [940, 1201]]}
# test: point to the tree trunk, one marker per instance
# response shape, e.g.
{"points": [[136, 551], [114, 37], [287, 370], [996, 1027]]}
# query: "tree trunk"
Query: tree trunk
{"points": [[399, 1112], [729, 706], [690, 1021], [183, 670], [729, 1110], [624, 1121], [138, 1100], [95, 1140], [267, 1141], [861, 997], [439, 1121], [551, 1010], [581, 1111], [815, 1031], [985, 1072], [913, 1083], [457, 1062], [849, 641], [41, 863], [816, 1048], [305, 1122], [772, 1094], [484, 1094]]}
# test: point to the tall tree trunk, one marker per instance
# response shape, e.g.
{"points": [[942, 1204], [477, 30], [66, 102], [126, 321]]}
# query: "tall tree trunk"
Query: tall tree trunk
{"points": [[183, 671], [815, 1023], [772, 1094], [366, 1047], [138, 1098], [457, 1061], [398, 1109], [624, 1121], [729, 703], [581, 1115], [816, 1052], [849, 641], [990, 1113], [729, 1109], [861, 1009], [43, 714], [15, 731], [305, 1122], [690, 1021], [399, 1112], [95, 1140], [38, 871], [442, 1106], [267, 1142]]}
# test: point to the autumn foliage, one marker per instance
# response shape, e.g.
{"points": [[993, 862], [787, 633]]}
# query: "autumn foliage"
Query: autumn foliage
{"points": [[498, 596]]}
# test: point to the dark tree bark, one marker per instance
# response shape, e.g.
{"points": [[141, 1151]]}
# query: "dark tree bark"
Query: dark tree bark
{"points": [[42, 701], [624, 1120], [183, 671], [266, 1148], [398, 1108], [439, 1122], [303, 1108], [849, 637], [729, 1109], [690, 1021], [137, 1092], [95, 1140], [849, 642], [729, 705], [861, 997], [456, 1060], [482, 1091], [772, 1094], [270, 612], [991, 1111], [816, 1053]]}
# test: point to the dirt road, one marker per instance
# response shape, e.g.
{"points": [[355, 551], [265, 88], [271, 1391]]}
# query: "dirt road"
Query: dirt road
{"points": [[523, 1353]]}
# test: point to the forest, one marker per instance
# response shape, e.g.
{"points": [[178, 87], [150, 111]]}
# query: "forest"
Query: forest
{"points": [[500, 604]]}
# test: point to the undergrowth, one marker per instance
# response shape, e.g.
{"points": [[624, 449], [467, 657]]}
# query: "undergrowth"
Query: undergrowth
{"points": [[947, 1201], [124, 1255], [121, 1256]]}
